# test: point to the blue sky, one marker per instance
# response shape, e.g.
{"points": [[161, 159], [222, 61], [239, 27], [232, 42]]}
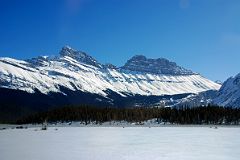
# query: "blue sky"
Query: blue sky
{"points": [[201, 35]]}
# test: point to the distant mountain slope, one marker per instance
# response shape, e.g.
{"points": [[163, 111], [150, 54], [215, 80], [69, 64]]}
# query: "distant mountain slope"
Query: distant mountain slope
{"points": [[77, 71], [228, 96], [229, 93]]}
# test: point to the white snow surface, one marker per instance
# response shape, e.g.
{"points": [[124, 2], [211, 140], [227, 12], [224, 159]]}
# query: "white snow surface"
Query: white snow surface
{"points": [[75, 75], [229, 93], [117, 143]]}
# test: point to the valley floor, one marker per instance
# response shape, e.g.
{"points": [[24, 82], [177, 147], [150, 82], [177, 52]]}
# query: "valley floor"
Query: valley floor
{"points": [[118, 143]]}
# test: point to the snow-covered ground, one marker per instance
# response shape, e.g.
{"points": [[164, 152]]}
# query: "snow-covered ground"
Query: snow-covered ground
{"points": [[117, 143]]}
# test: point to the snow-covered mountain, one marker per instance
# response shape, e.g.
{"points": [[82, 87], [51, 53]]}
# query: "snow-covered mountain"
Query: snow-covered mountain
{"points": [[229, 93], [228, 96], [76, 71], [200, 99], [141, 64]]}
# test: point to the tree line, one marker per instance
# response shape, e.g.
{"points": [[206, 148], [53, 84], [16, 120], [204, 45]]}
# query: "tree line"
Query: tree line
{"points": [[181, 115]]}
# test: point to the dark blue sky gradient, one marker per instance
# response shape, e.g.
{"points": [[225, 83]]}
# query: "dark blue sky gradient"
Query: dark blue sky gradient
{"points": [[201, 35]]}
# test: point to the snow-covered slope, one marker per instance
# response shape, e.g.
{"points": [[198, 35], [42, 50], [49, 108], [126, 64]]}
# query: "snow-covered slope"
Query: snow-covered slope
{"points": [[229, 94], [200, 99], [76, 70]]}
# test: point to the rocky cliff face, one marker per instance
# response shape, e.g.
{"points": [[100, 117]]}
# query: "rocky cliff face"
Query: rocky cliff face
{"points": [[140, 63], [79, 56]]}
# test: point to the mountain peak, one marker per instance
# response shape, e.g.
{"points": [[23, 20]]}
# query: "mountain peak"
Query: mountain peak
{"points": [[138, 57], [78, 56], [140, 63], [67, 47], [70, 52]]}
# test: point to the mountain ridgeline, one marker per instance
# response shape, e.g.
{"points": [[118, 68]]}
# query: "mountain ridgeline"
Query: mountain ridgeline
{"points": [[77, 71], [75, 78], [141, 64]]}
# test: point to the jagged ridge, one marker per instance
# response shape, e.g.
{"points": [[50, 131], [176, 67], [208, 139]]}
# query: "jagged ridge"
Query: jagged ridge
{"points": [[76, 70], [155, 66]]}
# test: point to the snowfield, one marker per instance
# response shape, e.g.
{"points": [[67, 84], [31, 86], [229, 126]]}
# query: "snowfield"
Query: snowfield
{"points": [[117, 143]]}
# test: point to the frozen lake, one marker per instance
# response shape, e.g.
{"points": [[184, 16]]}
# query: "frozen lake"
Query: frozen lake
{"points": [[115, 143]]}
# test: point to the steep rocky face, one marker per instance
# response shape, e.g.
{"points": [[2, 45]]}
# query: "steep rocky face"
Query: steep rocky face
{"points": [[79, 56], [39, 61], [140, 63], [229, 93]]}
